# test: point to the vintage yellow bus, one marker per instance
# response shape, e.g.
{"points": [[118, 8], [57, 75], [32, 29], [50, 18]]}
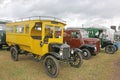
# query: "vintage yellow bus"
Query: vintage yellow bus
{"points": [[43, 37]]}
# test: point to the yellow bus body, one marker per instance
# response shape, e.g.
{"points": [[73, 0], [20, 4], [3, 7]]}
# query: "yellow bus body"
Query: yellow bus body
{"points": [[23, 36]]}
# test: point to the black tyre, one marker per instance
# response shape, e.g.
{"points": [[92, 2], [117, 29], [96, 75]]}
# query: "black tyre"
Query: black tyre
{"points": [[110, 49], [86, 54], [116, 48], [0, 46], [14, 53], [76, 60], [51, 66]]}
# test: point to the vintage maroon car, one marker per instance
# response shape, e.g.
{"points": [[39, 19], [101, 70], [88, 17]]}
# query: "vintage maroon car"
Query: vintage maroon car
{"points": [[88, 46], [91, 41]]}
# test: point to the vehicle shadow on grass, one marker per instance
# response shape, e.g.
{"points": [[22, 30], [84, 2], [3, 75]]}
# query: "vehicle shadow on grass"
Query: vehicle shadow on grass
{"points": [[116, 71], [4, 49], [102, 51]]}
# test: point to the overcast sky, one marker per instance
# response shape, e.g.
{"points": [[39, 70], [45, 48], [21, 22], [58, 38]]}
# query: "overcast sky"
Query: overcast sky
{"points": [[74, 12]]}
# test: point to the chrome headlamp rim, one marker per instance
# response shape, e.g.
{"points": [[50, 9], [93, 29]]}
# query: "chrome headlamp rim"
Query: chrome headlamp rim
{"points": [[95, 48], [72, 51], [61, 51]]}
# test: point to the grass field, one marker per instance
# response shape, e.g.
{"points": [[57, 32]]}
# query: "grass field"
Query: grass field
{"points": [[99, 67]]}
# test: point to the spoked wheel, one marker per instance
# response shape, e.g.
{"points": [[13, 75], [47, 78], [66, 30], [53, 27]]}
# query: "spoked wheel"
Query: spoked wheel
{"points": [[110, 49], [14, 53], [86, 54], [76, 60], [51, 66]]}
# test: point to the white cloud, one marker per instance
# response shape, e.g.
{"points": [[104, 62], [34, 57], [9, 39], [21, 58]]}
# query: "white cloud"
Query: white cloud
{"points": [[75, 12]]}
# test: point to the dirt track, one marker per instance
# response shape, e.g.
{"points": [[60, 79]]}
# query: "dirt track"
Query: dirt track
{"points": [[116, 71]]}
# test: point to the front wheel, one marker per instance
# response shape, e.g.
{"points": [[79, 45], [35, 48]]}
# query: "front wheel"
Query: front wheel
{"points": [[110, 49], [51, 66], [86, 54], [76, 60]]}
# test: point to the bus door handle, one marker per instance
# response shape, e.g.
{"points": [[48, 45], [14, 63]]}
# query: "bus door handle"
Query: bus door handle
{"points": [[41, 43]]}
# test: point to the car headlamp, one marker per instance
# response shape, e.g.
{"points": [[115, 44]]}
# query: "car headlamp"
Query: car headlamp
{"points": [[72, 51], [95, 48], [61, 53]]}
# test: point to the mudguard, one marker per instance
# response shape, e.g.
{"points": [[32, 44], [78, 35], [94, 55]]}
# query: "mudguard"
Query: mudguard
{"points": [[54, 54], [87, 46], [91, 48], [77, 50], [106, 42]]}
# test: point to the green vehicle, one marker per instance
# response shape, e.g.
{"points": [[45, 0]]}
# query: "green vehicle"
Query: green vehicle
{"points": [[101, 34], [2, 38], [2, 34]]}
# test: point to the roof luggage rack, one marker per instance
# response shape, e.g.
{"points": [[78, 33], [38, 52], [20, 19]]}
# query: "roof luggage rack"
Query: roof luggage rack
{"points": [[40, 18]]}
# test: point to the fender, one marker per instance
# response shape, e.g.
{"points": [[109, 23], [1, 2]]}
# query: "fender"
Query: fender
{"points": [[91, 48], [77, 50], [87, 46], [15, 45], [54, 54], [105, 44]]}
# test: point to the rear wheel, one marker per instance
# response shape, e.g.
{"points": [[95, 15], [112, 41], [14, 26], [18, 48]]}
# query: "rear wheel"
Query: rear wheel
{"points": [[14, 53], [110, 49], [51, 66], [86, 54], [76, 60]]}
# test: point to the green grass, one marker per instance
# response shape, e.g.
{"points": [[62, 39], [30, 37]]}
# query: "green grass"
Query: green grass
{"points": [[99, 67]]}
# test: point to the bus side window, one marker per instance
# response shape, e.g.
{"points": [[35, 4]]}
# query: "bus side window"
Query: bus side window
{"points": [[38, 26], [48, 31], [17, 29], [58, 32], [21, 29], [27, 28], [9, 29]]}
